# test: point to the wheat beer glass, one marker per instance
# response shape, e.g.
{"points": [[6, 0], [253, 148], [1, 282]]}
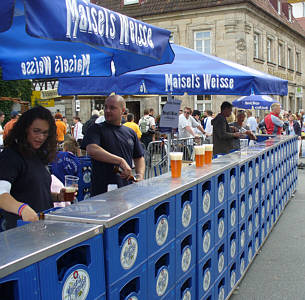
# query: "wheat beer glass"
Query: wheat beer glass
{"points": [[208, 153], [71, 187], [199, 155], [176, 163]]}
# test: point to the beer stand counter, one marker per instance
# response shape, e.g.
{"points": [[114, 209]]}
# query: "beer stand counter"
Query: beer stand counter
{"points": [[170, 238]]}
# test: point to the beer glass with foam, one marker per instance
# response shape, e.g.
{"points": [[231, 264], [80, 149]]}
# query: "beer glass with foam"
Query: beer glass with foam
{"points": [[176, 163], [199, 155], [208, 153], [71, 187]]}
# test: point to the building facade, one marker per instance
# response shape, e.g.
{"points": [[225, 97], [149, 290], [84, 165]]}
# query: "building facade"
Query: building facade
{"points": [[261, 34]]}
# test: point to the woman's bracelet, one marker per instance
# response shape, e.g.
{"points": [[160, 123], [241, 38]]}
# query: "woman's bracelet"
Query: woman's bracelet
{"points": [[20, 209]]}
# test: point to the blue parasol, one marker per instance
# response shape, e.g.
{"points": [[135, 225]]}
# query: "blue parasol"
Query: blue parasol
{"points": [[36, 36], [191, 72], [254, 102]]}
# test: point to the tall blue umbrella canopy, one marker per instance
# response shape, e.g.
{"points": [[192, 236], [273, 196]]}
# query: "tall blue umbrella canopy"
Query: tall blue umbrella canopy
{"points": [[254, 102], [191, 72], [36, 36]]}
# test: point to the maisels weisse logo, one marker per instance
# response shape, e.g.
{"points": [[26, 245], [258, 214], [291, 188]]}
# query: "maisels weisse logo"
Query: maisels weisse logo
{"points": [[103, 23], [45, 65]]}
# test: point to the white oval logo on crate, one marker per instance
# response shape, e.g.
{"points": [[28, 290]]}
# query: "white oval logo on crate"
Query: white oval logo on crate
{"points": [[250, 201], [263, 190], [263, 212], [186, 214], [129, 252], [263, 165], [256, 170], [187, 295], [242, 266], [233, 248], [256, 195], [221, 262], [242, 238], [268, 227], [249, 254], [132, 296], [206, 202], [263, 234], [162, 281], [206, 242], [221, 228], [161, 231], [233, 216], [233, 184], [256, 220], [256, 244], [233, 279], [242, 209], [242, 180], [206, 280], [186, 258], [76, 286], [250, 174], [221, 192], [87, 177], [221, 295], [268, 205], [250, 228]]}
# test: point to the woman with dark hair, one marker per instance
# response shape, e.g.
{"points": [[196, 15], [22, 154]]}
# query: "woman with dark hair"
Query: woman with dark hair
{"points": [[24, 178]]}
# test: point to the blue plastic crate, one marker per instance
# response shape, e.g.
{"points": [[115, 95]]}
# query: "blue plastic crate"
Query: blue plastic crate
{"points": [[221, 221], [233, 241], [21, 285], [256, 218], [161, 272], [233, 212], [206, 197], [186, 209], [242, 207], [250, 200], [242, 236], [233, 275], [221, 258], [161, 225], [205, 276], [221, 188], [186, 245], [221, 287], [78, 269], [132, 286], [250, 226], [205, 236], [186, 287], [125, 246], [242, 177], [242, 262], [233, 181]]}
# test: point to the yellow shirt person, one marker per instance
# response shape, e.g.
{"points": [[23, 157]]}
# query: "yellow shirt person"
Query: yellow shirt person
{"points": [[131, 124]]}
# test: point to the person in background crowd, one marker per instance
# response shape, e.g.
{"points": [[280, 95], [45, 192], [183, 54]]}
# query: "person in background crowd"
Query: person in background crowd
{"points": [[147, 127], [61, 129], [131, 124], [223, 135], [124, 116], [64, 119], [273, 123], [251, 121], [204, 115], [197, 131], [91, 121], [2, 117], [242, 128], [10, 124], [25, 181], [77, 130], [187, 123], [152, 112], [208, 128], [66, 161], [109, 144]]}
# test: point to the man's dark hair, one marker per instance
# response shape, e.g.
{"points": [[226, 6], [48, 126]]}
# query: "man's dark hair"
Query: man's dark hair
{"points": [[130, 117], [209, 113], [225, 105], [196, 113], [146, 111]]}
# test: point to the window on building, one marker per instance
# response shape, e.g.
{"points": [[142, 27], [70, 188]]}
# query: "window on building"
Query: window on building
{"points": [[162, 101], [269, 50], [298, 62], [127, 2], [290, 13], [256, 45], [281, 55], [290, 59], [202, 41], [203, 102], [279, 7]]}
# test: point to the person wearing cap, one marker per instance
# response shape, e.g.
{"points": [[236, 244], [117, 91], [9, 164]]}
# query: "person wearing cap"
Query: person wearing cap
{"points": [[61, 128], [10, 124]]}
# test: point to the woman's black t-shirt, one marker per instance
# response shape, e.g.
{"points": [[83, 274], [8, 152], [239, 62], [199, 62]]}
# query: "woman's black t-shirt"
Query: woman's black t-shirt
{"points": [[30, 180]]}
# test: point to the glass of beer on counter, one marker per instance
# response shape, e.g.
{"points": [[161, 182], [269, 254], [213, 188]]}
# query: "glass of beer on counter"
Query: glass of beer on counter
{"points": [[208, 153], [199, 155], [176, 163], [71, 187]]}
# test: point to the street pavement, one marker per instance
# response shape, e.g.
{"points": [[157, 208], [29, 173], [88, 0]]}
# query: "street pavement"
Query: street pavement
{"points": [[278, 271]]}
